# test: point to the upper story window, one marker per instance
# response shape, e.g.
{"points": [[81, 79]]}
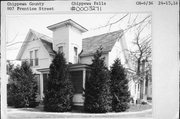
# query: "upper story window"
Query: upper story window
{"points": [[36, 58], [117, 53], [75, 51], [60, 49], [31, 58], [75, 55]]}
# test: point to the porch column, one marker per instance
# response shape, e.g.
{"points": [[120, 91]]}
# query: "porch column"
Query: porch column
{"points": [[84, 78], [137, 91], [144, 89], [41, 86]]}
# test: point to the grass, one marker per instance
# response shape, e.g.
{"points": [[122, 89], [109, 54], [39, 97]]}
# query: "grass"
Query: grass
{"points": [[138, 107], [12, 114], [133, 108]]}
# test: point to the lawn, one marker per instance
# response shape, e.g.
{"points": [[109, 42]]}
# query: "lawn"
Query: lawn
{"points": [[133, 108], [37, 113], [138, 107]]}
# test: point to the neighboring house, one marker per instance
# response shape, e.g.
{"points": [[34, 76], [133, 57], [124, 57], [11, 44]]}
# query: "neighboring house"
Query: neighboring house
{"points": [[67, 37]]}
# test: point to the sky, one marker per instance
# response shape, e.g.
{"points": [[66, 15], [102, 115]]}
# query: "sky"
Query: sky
{"points": [[17, 26]]}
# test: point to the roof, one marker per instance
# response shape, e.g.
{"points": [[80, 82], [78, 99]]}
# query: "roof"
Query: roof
{"points": [[48, 46], [107, 41], [67, 22], [89, 45], [72, 67], [46, 40], [41, 36]]}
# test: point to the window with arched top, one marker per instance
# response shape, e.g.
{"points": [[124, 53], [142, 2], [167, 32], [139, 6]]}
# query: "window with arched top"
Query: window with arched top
{"points": [[60, 49], [36, 58], [75, 55], [31, 58]]}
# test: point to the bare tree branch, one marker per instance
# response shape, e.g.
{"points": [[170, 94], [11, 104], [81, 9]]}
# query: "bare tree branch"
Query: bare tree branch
{"points": [[13, 39], [137, 23], [110, 24]]}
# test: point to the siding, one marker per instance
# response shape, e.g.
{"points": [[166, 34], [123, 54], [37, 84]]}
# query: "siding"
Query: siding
{"points": [[43, 56]]}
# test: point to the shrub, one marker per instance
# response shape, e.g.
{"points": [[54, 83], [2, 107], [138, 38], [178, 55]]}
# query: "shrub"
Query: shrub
{"points": [[97, 88], [119, 87], [10, 94], [59, 92], [22, 91]]}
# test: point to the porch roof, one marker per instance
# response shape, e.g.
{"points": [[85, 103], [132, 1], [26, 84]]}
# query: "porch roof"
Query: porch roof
{"points": [[78, 67], [72, 67]]}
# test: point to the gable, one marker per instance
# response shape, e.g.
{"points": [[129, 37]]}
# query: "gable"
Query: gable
{"points": [[32, 36], [107, 41]]}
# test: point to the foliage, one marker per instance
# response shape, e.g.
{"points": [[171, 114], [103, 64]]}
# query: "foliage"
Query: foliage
{"points": [[59, 92], [98, 97], [22, 91], [119, 88]]}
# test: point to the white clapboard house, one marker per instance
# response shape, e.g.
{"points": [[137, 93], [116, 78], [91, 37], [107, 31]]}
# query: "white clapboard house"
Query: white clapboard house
{"points": [[67, 37]]}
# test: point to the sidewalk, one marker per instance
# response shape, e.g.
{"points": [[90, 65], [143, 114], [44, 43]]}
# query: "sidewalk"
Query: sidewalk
{"points": [[23, 114]]}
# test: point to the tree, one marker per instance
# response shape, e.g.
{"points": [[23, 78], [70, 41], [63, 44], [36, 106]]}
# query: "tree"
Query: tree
{"points": [[10, 86], [98, 98], [119, 87], [23, 86], [140, 57], [142, 53], [59, 92], [140, 26], [139, 53]]}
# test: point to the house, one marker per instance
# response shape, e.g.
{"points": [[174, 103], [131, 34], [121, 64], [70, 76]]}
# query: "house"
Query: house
{"points": [[67, 37]]}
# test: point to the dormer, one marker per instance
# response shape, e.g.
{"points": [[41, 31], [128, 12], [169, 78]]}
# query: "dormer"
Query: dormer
{"points": [[67, 38]]}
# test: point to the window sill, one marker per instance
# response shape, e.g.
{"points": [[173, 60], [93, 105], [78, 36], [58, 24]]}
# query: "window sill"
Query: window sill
{"points": [[35, 66]]}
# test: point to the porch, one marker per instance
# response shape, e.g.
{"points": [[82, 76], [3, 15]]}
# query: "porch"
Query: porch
{"points": [[78, 74]]}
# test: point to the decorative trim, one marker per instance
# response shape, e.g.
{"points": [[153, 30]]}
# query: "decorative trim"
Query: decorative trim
{"points": [[67, 22]]}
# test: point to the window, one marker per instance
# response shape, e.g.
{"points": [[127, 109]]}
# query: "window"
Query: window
{"points": [[138, 87], [75, 51], [75, 55], [60, 49], [117, 53], [36, 58], [31, 58], [34, 61]]}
